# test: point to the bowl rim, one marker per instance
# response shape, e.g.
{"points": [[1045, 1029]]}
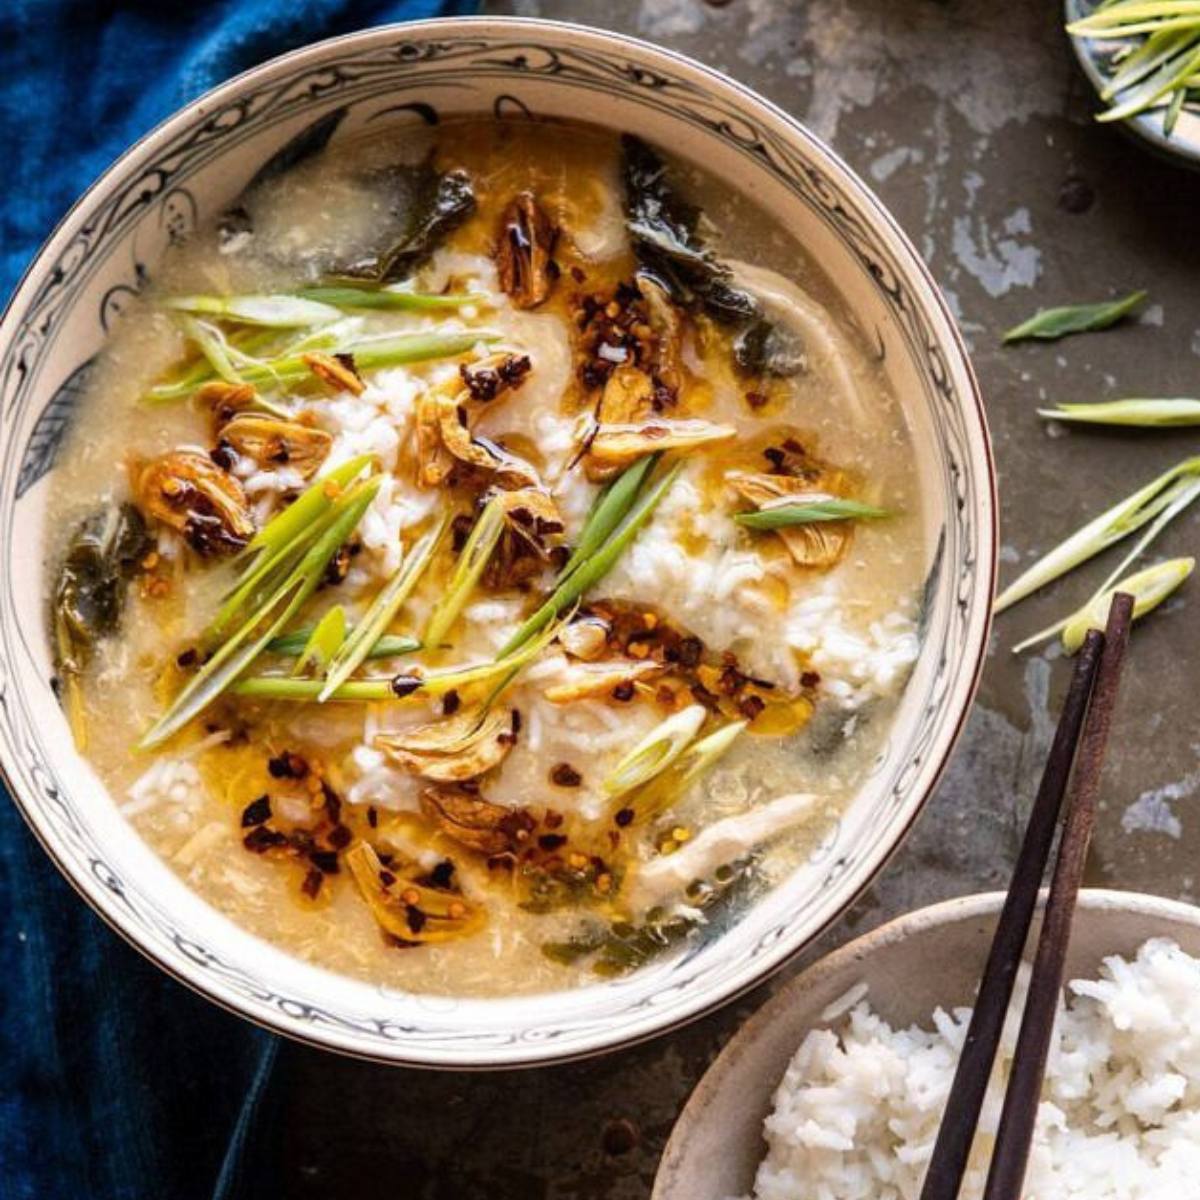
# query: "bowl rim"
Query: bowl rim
{"points": [[978, 448], [956, 910]]}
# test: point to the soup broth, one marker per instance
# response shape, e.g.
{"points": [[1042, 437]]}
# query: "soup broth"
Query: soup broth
{"points": [[632, 512]]}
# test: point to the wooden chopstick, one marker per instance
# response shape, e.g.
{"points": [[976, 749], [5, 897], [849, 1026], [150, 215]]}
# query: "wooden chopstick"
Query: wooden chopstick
{"points": [[953, 1146], [1086, 720], [1010, 1157]]}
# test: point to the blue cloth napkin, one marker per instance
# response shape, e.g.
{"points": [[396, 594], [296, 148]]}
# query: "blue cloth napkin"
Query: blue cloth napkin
{"points": [[118, 1083]]}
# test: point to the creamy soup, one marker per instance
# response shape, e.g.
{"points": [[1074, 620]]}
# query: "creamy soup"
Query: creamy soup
{"points": [[490, 558]]}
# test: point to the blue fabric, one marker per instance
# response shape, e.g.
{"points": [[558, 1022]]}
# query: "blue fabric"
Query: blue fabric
{"points": [[118, 1083]]}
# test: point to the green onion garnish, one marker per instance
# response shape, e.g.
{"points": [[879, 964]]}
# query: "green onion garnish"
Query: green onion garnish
{"points": [[1145, 413], [1163, 71], [279, 544], [833, 508], [370, 354], [323, 643], [391, 645], [383, 609], [429, 683], [656, 751], [470, 566], [591, 570], [276, 312], [391, 297], [1149, 588], [241, 649], [1159, 502], [608, 511], [1052, 323]]}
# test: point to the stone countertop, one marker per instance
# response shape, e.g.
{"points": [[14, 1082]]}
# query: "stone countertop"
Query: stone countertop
{"points": [[972, 123]]}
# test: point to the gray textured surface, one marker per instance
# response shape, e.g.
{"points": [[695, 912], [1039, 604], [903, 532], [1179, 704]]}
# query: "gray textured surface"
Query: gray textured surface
{"points": [[971, 122]]}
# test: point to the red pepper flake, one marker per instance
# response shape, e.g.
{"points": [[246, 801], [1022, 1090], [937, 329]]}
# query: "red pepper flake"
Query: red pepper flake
{"points": [[751, 706], [261, 839], [551, 841], [442, 876], [189, 657], [372, 817], [450, 703], [256, 812], [565, 775], [386, 878], [623, 691], [516, 721], [287, 766], [333, 802], [326, 861], [415, 918], [810, 679], [756, 399], [689, 650], [312, 883], [340, 837], [624, 817], [552, 819]]}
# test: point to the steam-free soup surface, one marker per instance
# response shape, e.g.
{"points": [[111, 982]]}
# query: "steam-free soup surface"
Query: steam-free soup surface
{"points": [[615, 339]]}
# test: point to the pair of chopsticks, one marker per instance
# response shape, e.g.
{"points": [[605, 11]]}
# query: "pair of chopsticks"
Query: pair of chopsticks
{"points": [[1084, 724]]}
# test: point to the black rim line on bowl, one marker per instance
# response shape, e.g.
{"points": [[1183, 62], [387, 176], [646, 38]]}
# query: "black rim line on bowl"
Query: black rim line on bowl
{"points": [[331, 1039]]}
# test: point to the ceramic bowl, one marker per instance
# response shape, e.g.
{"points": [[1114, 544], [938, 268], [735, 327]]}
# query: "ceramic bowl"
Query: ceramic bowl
{"points": [[193, 167], [930, 957]]}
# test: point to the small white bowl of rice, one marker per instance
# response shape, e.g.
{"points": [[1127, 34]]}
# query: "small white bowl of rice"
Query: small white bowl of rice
{"points": [[835, 1089]]}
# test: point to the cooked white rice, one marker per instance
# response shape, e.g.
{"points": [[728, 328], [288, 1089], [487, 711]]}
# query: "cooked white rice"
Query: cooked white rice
{"points": [[858, 1109]]}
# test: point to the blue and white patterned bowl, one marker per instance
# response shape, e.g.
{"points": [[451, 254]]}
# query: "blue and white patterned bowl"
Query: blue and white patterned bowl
{"points": [[192, 167]]}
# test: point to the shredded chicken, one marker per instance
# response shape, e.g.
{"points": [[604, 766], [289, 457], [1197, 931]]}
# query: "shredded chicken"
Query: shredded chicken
{"points": [[669, 875]]}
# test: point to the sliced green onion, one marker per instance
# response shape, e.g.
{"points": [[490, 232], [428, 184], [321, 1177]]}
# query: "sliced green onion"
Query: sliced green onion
{"points": [[1146, 413], [1052, 323], [702, 756], [431, 683], [590, 571], [1174, 111], [833, 508], [289, 645], [283, 687], [608, 511], [323, 643], [1149, 588], [241, 649], [1162, 498], [301, 513], [276, 548], [656, 751], [242, 347], [212, 344], [277, 312], [390, 297], [370, 355], [451, 679], [692, 765], [470, 566], [383, 610]]}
